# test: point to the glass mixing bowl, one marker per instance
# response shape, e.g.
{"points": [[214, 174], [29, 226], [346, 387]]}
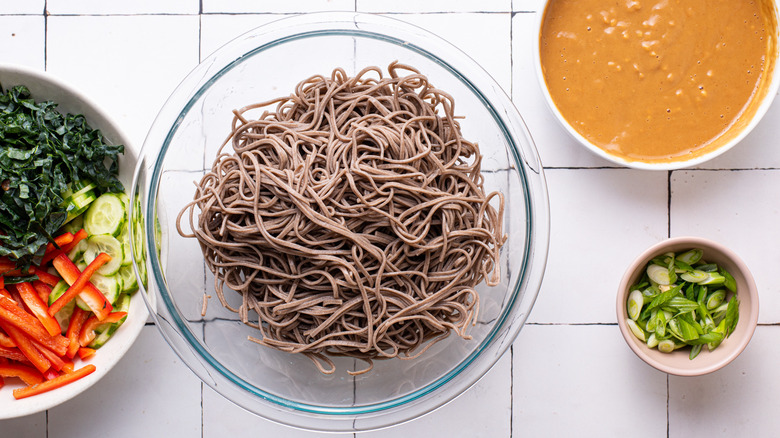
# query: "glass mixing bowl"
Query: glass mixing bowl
{"points": [[182, 143]]}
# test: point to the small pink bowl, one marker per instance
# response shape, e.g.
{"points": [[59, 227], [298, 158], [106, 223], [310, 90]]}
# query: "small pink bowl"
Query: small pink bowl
{"points": [[677, 362]]}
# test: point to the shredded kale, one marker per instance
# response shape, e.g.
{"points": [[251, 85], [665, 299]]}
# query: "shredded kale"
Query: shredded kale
{"points": [[42, 151]]}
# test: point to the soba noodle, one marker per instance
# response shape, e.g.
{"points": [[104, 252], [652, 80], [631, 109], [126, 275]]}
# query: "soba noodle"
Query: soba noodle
{"points": [[351, 217]]}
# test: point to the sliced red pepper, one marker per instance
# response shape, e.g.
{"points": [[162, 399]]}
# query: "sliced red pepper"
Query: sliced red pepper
{"points": [[27, 347], [69, 367], [64, 249], [5, 293], [95, 299], [88, 331], [16, 317], [57, 382], [56, 361], [62, 239], [6, 264], [51, 374], [77, 320], [5, 341], [13, 353], [47, 278], [29, 375], [2, 282], [43, 289], [38, 308], [85, 352]]}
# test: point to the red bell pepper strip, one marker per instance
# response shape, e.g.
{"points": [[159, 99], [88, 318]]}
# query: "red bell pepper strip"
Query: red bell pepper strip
{"points": [[95, 299], [43, 290], [85, 352], [38, 308], [88, 330], [13, 353], [56, 361], [5, 341], [62, 239], [6, 264], [64, 249], [27, 347], [2, 282], [57, 382], [47, 278], [50, 374], [29, 375], [5, 293], [77, 320], [69, 367], [16, 317]]}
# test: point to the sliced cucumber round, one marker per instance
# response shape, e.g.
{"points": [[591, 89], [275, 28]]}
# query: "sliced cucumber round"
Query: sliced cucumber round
{"points": [[129, 280], [124, 239], [105, 215], [111, 286], [78, 251], [108, 244]]}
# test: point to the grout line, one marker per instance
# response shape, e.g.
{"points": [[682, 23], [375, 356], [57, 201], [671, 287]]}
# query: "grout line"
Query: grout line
{"points": [[667, 406], [511, 55], [45, 35]]}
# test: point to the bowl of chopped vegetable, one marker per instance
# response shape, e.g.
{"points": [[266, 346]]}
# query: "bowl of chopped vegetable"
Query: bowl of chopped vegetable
{"points": [[68, 307], [687, 306]]}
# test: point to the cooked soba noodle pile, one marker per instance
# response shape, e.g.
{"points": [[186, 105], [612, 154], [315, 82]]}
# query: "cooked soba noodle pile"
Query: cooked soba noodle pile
{"points": [[351, 217]]}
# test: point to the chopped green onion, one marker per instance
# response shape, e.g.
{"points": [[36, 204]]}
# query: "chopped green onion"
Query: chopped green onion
{"points": [[636, 330], [660, 274], [635, 302], [684, 304], [691, 256]]}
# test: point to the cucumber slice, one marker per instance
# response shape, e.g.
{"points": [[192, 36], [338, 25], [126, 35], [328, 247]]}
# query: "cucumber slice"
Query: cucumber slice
{"points": [[74, 225], [109, 245], [78, 251], [111, 287], [105, 216], [63, 316], [129, 280], [105, 331], [124, 239], [57, 291]]}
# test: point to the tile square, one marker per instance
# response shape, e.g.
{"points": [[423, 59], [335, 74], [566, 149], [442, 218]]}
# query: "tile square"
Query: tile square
{"points": [[584, 381], [406, 6], [738, 400], [30, 426], [589, 211], [244, 424], [129, 72], [23, 7], [218, 29], [249, 6], [746, 221], [148, 393], [85, 7], [487, 41], [488, 404], [22, 41]]}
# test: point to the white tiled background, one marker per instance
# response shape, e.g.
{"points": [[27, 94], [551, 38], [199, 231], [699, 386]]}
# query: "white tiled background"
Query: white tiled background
{"points": [[569, 373]]}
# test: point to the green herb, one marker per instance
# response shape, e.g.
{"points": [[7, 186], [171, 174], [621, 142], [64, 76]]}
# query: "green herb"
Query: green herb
{"points": [[680, 303], [43, 152]]}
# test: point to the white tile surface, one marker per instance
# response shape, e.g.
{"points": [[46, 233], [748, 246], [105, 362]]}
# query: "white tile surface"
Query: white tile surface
{"points": [[584, 269], [569, 373], [22, 40], [128, 64], [23, 7], [747, 223], [241, 6], [583, 381], [434, 6], [150, 392], [71, 7]]}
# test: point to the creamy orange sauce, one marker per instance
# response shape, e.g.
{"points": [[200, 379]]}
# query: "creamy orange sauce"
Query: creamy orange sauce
{"points": [[657, 80]]}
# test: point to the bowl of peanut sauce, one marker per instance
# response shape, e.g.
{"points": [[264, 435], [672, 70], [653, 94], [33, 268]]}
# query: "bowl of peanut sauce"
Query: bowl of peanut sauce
{"points": [[658, 84]]}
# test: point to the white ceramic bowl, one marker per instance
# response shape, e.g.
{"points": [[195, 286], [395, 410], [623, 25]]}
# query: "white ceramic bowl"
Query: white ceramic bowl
{"points": [[743, 126], [44, 86]]}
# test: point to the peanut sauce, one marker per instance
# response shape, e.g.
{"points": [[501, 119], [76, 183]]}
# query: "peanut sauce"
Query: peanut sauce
{"points": [[658, 80]]}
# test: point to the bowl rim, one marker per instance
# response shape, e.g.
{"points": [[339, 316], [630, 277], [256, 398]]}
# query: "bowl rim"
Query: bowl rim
{"points": [[749, 315], [355, 24], [131, 329], [766, 102]]}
